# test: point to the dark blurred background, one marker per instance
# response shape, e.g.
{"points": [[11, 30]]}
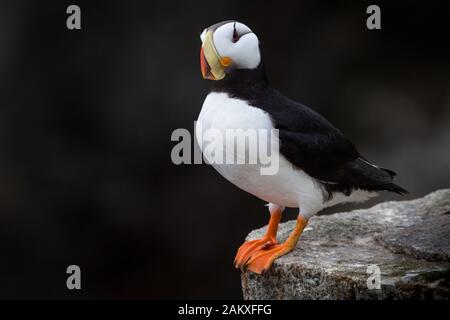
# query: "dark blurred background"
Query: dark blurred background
{"points": [[86, 118]]}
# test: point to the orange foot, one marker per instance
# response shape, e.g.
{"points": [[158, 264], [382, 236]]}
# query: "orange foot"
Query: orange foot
{"points": [[258, 255], [262, 260], [249, 248]]}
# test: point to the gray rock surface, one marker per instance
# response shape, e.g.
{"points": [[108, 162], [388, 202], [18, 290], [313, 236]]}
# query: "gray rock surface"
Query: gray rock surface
{"points": [[408, 240]]}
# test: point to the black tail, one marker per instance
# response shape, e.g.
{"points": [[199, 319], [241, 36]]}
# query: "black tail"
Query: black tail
{"points": [[392, 187], [361, 174]]}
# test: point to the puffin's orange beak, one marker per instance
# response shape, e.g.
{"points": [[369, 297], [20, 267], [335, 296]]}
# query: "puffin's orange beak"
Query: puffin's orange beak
{"points": [[206, 69]]}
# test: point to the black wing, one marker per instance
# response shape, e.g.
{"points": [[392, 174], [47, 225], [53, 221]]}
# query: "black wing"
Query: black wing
{"points": [[314, 145]]}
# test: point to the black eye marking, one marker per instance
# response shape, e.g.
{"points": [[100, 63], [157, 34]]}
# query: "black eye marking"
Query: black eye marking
{"points": [[235, 34]]}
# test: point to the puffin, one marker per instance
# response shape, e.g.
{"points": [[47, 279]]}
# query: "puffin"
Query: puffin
{"points": [[318, 166]]}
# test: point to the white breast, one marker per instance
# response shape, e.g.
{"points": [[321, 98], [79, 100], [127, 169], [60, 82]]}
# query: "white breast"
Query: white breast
{"points": [[289, 187]]}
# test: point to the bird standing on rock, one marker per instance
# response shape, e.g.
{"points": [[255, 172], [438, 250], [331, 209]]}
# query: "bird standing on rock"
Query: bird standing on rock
{"points": [[318, 166]]}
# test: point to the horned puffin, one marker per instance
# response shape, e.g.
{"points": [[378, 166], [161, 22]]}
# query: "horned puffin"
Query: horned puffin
{"points": [[318, 166]]}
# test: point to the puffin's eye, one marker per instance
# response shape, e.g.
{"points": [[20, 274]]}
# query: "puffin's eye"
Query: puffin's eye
{"points": [[235, 34]]}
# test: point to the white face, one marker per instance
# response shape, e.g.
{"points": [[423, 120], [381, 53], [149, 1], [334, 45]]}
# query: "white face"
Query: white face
{"points": [[236, 41]]}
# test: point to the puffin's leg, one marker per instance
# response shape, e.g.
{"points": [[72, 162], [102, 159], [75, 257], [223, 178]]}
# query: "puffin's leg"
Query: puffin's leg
{"points": [[262, 260], [246, 250]]}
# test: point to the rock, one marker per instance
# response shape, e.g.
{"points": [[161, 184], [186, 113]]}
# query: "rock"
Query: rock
{"points": [[408, 240]]}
